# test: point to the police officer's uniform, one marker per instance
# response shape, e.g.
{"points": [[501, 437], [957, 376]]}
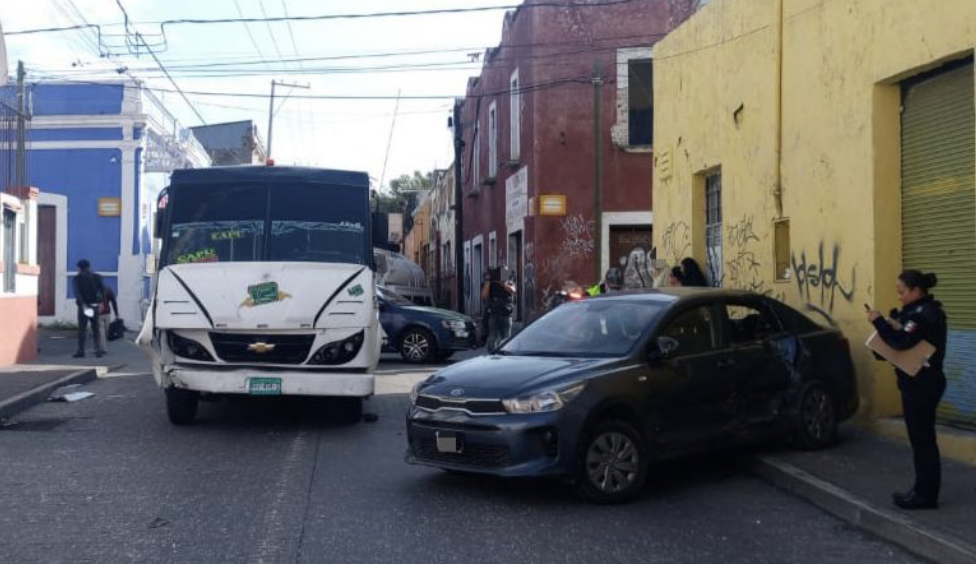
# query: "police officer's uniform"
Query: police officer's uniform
{"points": [[923, 320]]}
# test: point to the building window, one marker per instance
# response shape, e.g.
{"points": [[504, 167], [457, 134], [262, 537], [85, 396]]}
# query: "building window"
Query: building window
{"points": [[476, 158], [640, 102], [781, 244], [492, 140], [492, 250], [515, 111], [713, 228], [9, 238]]}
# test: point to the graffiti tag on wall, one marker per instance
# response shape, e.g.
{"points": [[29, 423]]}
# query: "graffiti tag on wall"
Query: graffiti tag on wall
{"points": [[676, 242], [743, 270], [577, 236], [818, 278]]}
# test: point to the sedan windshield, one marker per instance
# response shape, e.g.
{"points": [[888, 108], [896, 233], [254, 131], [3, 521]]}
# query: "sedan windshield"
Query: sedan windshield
{"points": [[593, 328]]}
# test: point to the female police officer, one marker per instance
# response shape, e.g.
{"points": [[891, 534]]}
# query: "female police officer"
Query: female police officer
{"points": [[921, 319]]}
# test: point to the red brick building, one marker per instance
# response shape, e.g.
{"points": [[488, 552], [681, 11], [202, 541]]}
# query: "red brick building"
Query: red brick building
{"points": [[530, 136]]}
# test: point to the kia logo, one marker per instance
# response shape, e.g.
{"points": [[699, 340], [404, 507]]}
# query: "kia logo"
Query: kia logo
{"points": [[457, 392]]}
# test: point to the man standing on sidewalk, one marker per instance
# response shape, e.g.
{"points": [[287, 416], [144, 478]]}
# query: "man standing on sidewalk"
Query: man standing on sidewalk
{"points": [[501, 306], [89, 293]]}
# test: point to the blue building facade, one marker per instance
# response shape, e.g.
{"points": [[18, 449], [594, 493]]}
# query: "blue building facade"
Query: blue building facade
{"points": [[100, 154]]}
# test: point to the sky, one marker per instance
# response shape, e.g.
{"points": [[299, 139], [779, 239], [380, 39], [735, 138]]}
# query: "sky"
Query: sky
{"points": [[346, 134]]}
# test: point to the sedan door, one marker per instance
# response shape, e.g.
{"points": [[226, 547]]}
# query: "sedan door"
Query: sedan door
{"points": [[691, 393], [760, 358]]}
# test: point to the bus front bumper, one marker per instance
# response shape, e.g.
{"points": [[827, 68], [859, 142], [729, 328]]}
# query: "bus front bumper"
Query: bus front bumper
{"points": [[255, 381]]}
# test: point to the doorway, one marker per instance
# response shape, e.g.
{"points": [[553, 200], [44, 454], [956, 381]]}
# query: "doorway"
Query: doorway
{"points": [[47, 245]]}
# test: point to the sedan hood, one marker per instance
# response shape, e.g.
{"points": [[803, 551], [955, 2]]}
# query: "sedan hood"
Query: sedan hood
{"points": [[442, 313], [506, 376]]}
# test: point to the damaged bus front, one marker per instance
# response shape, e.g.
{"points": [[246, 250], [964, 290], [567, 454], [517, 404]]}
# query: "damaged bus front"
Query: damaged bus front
{"points": [[265, 286]]}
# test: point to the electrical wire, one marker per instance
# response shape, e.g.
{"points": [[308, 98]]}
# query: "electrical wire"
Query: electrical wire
{"points": [[525, 89], [162, 67]]}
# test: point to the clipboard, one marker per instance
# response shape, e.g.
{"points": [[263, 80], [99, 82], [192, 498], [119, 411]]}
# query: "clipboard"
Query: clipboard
{"points": [[910, 361]]}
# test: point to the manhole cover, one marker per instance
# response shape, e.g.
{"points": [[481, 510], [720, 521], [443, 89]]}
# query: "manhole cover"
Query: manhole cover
{"points": [[31, 425]]}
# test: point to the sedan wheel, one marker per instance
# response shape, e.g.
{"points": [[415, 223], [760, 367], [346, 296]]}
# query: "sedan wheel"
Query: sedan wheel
{"points": [[614, 464], [418, 346], [816, 427]]}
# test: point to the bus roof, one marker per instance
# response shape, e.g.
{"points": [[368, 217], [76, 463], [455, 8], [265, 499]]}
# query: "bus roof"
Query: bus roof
{"points": [[269, 175]]}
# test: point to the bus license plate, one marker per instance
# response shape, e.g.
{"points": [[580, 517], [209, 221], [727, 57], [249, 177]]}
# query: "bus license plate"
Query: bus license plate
{"points": [[264, 386]]}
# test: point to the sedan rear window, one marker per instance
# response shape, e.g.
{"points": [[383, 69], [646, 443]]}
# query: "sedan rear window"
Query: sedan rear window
{"points": [[596, 328]]}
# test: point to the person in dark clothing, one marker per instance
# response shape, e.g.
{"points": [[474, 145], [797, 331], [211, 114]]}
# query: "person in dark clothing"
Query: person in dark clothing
{"points": [[108, 309], [89, 293], [693, 275], [920, 319], [677, 277], [501, 306]]}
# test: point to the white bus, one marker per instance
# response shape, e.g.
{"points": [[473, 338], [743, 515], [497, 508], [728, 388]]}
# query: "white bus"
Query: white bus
{"points": [[265, 286]]}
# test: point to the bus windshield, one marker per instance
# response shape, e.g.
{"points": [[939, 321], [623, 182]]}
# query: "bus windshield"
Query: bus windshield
{"points": [[280, 223]]}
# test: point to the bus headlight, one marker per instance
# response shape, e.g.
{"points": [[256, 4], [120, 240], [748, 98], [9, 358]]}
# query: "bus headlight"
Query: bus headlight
{"points": [[188, 348], [339, 352]]}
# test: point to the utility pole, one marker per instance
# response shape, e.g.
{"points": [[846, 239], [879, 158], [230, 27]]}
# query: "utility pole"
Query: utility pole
{"points": [[20, 179], [598, 166], [271, 108], [458, 215]]}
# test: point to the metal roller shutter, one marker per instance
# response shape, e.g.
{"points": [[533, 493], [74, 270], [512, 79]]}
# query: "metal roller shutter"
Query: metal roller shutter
{"points": [[939, 215]]}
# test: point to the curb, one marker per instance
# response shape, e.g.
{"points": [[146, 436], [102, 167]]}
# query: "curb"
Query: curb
{"points": [[24, 400], [916, 537]]}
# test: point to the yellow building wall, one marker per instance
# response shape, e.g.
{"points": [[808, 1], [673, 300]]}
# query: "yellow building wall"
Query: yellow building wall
{"points": [[419, 234], [716, 89]]}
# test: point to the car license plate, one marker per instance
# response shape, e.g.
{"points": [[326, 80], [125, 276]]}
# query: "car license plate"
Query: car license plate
{"points": [[449, 442], [264, 386]]}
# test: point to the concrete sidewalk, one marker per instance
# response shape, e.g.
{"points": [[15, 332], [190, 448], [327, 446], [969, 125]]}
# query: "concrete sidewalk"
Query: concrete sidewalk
{"points": [[24, 385], [855, 479]]}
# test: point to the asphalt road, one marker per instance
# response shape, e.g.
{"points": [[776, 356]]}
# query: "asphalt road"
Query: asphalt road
{"points": [[108, 479]]}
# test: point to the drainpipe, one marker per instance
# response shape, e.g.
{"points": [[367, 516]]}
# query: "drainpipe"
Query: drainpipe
{"points": [[778, 181], [458, 208], [598, 167]]}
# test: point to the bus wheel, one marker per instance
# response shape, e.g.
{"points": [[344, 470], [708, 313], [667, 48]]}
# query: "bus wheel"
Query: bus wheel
{"points": [[181, 405], [349, 411]]}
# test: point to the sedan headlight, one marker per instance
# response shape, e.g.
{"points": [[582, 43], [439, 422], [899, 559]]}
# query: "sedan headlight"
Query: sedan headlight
{"points": [[339, 352], [416, 392], [454, 324], [544, 402]]}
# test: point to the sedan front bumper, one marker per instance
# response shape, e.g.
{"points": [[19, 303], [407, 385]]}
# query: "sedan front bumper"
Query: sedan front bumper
{"points": [[542, 444]]}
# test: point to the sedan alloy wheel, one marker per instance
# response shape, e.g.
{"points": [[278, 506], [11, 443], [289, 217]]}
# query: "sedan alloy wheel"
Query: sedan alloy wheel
{"points": [[614, 463], [417, 346]]}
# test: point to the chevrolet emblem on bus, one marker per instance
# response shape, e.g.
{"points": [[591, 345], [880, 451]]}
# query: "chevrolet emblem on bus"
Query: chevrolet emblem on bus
{"points": [[264, 293], [261, 348]]}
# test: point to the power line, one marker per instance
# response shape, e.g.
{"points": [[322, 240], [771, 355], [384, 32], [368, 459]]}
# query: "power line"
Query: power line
{"points": [[247, 28], [274, 41], [162, 67], [525, 89], [325, 17]]}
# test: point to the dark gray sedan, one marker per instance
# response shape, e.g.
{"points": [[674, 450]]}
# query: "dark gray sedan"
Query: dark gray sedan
{"points": [[596, 391]]}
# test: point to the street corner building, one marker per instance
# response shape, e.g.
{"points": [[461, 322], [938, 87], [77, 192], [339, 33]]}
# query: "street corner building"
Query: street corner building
{"points": [[18, 271], [100, 153], [554, 147], [812, 150]]}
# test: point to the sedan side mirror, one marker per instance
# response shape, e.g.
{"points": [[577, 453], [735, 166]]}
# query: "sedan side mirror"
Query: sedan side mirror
{"points": [[665, 349]]}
